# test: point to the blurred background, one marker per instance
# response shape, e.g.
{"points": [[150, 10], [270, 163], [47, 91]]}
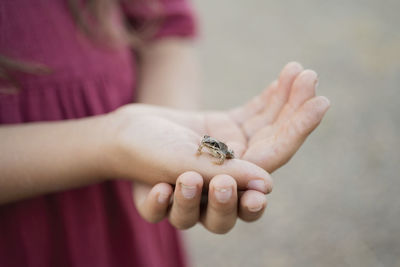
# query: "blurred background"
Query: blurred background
{"points": [[336, 203]]}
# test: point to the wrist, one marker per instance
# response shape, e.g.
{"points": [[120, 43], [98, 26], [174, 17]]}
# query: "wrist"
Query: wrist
{"points": [[102, 148], [114, 149]]}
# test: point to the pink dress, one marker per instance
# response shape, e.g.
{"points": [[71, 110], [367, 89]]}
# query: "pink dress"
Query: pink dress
{"points": [[96, 225]]}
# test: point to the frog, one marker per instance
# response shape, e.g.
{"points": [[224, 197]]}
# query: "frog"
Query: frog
{"points": [[216, 148]]}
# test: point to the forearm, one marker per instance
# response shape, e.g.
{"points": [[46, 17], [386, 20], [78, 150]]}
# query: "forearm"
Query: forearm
{"points": [[169, 74], [38, 158]]}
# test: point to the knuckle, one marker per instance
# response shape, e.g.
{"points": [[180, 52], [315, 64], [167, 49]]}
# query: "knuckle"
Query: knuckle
{"points": [[251, 217], [186, 206], [183, 219], [224, 210], [182, 224], [152, 218], [221, 229]]}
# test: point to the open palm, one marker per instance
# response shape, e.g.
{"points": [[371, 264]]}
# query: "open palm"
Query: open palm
{"points": [[266, 131], [270, 128]]}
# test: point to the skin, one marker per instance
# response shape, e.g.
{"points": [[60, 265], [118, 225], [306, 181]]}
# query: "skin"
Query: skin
{"points": [[248, 205], [117, 145], [164, 63]]}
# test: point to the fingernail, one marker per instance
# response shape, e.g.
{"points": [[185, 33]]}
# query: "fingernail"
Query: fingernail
{"points": [[258, 185], [188, 191], [325, 100], [162, 198], [255, 208], [223, 194]]}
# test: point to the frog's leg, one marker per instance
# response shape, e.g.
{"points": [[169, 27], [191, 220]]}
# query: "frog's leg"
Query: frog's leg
{"points": [[199, 149], [221, 157], [215, 154]]}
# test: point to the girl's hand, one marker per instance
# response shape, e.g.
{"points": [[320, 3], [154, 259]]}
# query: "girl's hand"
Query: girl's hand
{"points": [[218, 215], [268, 130], [153, 148], [275, 124]]}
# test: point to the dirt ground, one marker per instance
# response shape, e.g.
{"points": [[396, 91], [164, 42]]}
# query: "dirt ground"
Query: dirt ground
{"points": [[336, 202]]}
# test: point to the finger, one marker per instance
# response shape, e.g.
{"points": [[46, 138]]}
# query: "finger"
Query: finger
{"points": [[152, 202], [221, 212], [303, 89], [307, 118], [247, 174], [273, 152], [285, 82], [252, 107], [185, 209], [252, 205], [276, 100], [259, 119]]}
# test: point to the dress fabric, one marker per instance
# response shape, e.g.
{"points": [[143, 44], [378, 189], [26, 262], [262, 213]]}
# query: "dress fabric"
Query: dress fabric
{"points": [[96, 225]]}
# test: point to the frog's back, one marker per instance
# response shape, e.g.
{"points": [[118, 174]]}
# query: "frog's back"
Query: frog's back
{"points": [[223, 147]]}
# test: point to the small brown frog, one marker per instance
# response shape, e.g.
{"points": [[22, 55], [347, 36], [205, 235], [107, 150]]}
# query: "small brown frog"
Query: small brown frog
{"points": [[216, 148]]}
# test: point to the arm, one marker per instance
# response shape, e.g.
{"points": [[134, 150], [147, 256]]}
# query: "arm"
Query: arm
{"points": [[131, 143], [38, 158]]}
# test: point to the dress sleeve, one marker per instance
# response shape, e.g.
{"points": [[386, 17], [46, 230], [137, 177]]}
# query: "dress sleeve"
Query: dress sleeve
{"points": [[161, 18]]}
